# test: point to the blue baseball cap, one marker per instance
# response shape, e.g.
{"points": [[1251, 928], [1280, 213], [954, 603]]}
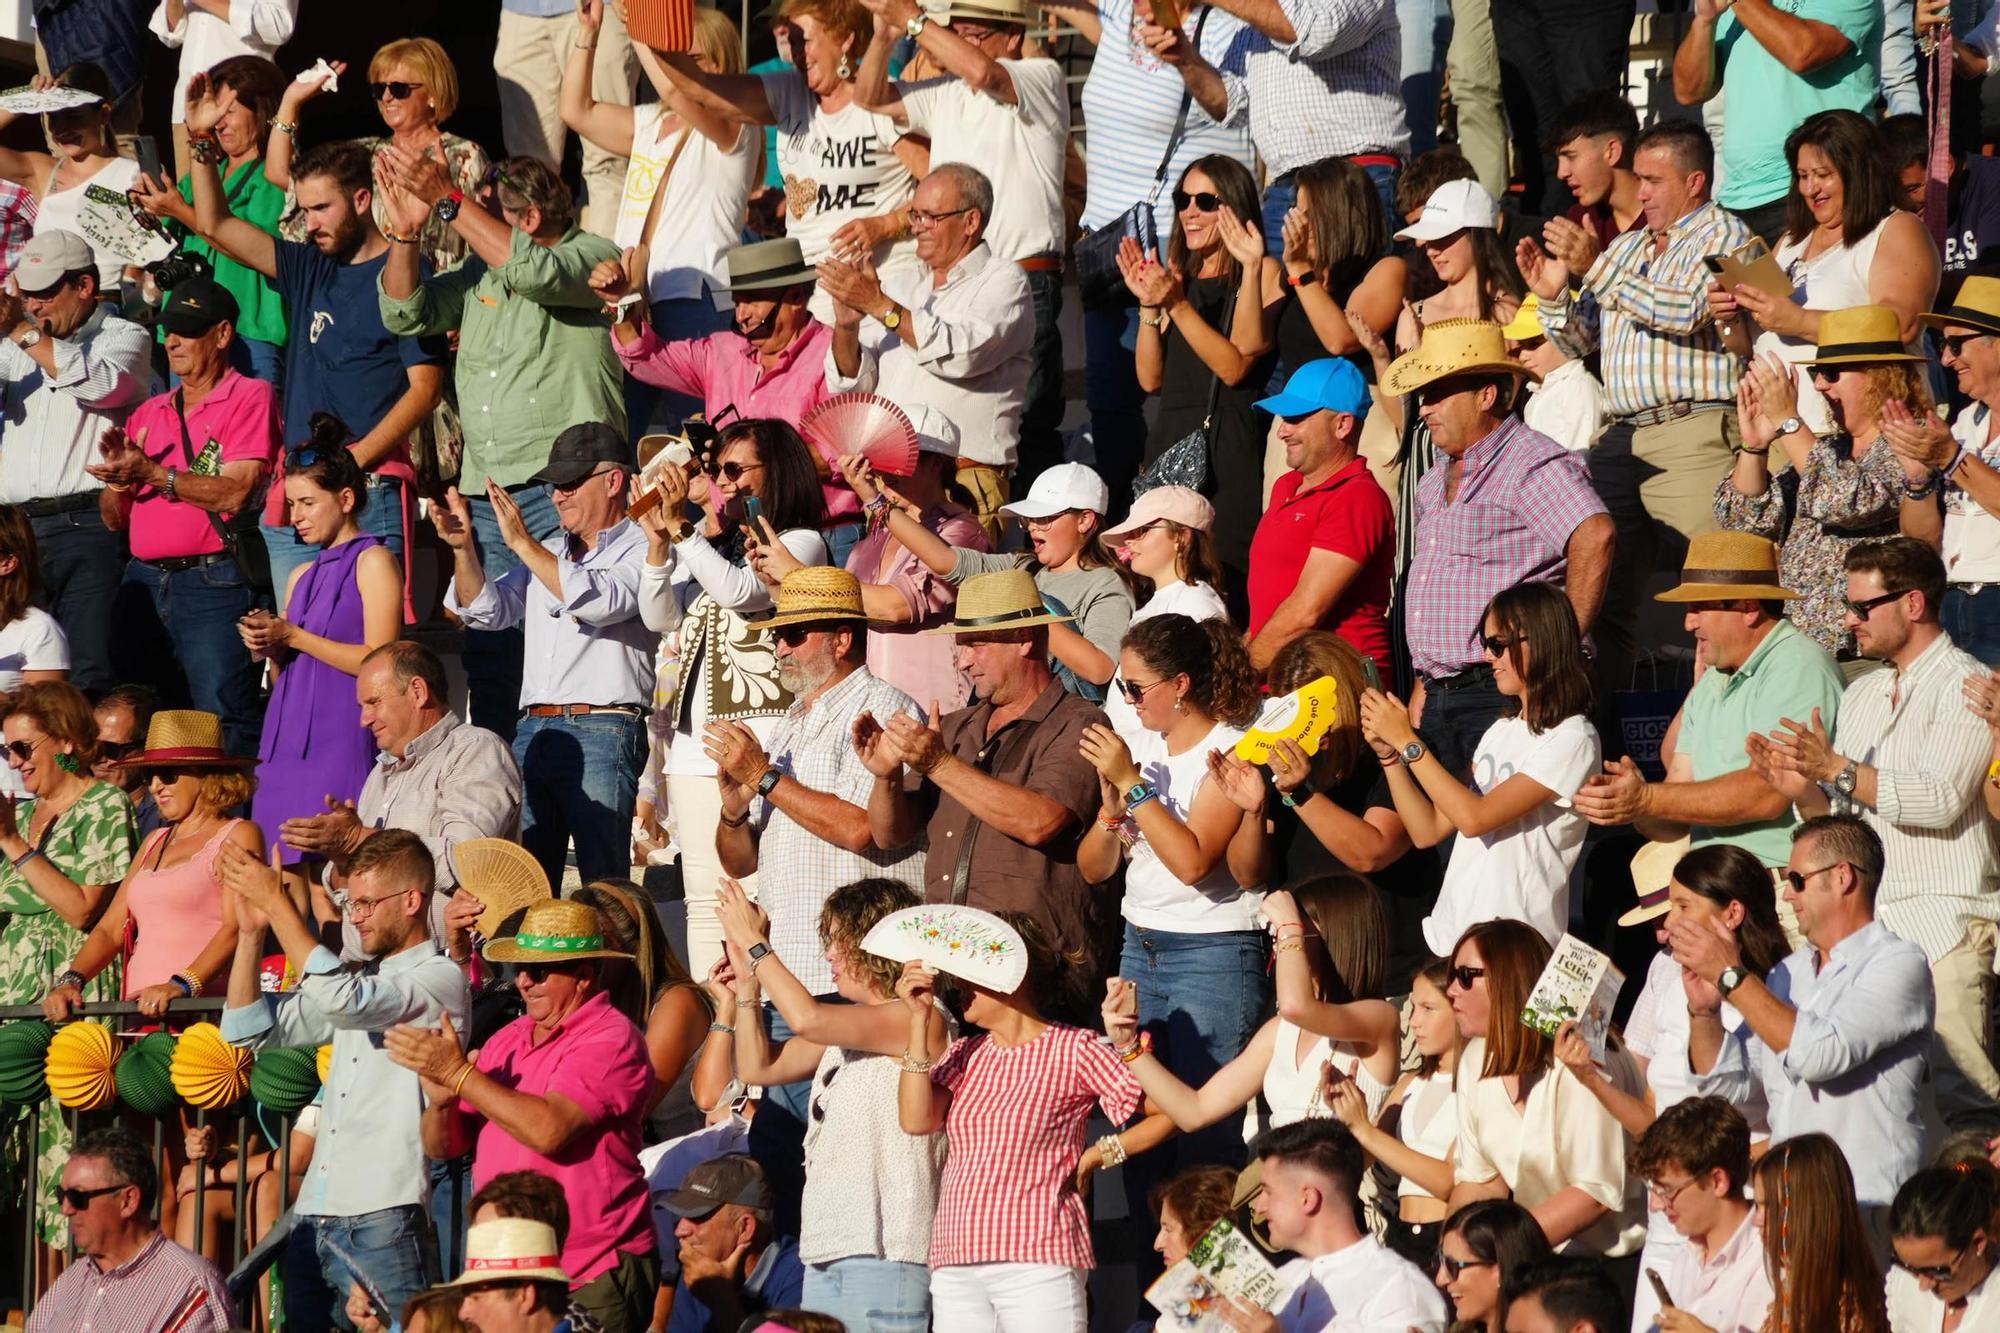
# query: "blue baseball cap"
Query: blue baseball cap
{"points": [[1328, 385]]}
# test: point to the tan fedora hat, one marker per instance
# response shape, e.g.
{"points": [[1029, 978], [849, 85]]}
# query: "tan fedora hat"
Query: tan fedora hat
{"points": [[1652, 872], [1860, 335], [1018, 12], [816, 593], [557, 931], [1005, 599], [509, 1249], [1453, 347], [503, 875], [1729, 567], [1977, 306], [185, 738]]}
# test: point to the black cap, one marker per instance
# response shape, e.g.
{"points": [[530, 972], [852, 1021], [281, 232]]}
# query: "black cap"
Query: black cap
{"points": [[581, 450], [198, 305]]}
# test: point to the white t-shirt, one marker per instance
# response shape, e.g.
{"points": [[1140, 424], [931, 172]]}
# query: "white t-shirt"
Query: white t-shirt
{"points": [[1019, 147], [35, 642], [1154, 898], [1196, 601], [702, 214], [1914, 1310], [1971, 534], [1569, 407], [1519, 871]]}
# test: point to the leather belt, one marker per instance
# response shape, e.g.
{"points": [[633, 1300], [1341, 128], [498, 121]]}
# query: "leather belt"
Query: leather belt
{"points": [[1040, 264], [175, 564], [1461, 680], [580, 710], [1674, 411], [61, 504]]}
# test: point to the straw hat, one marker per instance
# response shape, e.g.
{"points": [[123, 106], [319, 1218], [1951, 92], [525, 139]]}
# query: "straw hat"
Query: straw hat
{"points": [[509, 1249], [1861, 335], [1005, 599], [186, 738], [556, 931], [1453, 347], [1652, 872], [502, 875], [1977, 306], [814, 594], [1728, 567]]}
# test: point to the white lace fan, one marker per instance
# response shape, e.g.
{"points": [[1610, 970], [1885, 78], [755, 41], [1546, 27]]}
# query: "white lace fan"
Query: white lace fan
{"points": [[963, 941], [862, 423]]}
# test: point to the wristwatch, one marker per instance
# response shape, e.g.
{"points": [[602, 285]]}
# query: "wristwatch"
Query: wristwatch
{"points": [[891, 319], [27, 337], [915, 26], [1138, 794], [1788, 425], [1412, 752], [447, 207], [1731, 978], [772, 777], [758, 953], [1298, 795], [1843, 781]]}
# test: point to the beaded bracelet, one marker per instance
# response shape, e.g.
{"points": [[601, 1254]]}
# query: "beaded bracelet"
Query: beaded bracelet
{"points": [[1142, 1045], [909, 1064], [1111, 1150]]}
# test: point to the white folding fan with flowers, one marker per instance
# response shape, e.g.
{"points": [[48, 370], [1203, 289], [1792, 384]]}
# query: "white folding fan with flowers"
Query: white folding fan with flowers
{"points": [[962, 941]]}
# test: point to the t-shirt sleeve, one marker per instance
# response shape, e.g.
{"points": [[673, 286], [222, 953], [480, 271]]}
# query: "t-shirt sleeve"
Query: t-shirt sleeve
{"points": [[1563, 757], [791, 105], [1108, 1077], [44, 647], [1472, 1165], [920, 101], [1556, 497], [950, 1070], [294, 276], [1105, 615], [1357, 526]]}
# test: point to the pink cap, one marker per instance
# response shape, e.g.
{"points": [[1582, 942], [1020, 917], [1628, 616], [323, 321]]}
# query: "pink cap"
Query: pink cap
{"points": [[1177, 504]]}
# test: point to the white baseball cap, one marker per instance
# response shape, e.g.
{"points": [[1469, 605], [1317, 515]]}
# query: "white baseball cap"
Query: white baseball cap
{"points": [[1064, 487], [1452, 207], [936, 432]]}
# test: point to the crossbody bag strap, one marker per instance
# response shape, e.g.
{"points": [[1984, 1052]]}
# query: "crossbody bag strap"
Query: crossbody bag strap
{"points": [[1180, 118], [187, 449], [1215, 379], [642, 253]]}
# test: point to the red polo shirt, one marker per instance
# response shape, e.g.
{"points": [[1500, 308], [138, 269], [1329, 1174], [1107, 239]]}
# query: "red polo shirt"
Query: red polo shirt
{"points": [[1348, 514]]}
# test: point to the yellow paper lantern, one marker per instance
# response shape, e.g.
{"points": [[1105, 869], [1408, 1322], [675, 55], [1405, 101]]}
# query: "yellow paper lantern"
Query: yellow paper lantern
{"points": [[324, 1059], [82, 1066], [207, 1071]]}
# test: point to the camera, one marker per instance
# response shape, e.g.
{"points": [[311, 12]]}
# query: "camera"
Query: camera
{"points": [[178, 267]]}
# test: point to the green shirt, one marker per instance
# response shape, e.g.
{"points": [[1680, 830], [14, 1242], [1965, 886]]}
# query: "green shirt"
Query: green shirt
{"points": [[534, 351], [1767, 101], [261, 204], [1788, 675]]}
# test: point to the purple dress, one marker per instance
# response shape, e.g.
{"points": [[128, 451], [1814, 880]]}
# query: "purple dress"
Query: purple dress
{"points": [[314, 744]]}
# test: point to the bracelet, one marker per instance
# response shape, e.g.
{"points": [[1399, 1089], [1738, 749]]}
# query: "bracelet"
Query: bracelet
{"points": [[1290, 943], [70, 977], [458, 1087], [1957, 461], [909, 1064], [722, 1027], [1754, 453], [1278, 931], [737, 822], [1111, 1150], [290, 127], [22, 860], [1141, 1045], [400, 239], [173, 477], [1922, 489], [1110, 823]]}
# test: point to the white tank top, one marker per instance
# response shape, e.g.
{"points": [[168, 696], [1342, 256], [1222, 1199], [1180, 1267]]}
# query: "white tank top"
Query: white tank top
{"points": [[1833, 280], [1291, 1085], [1429, 1125], [59, 209]]}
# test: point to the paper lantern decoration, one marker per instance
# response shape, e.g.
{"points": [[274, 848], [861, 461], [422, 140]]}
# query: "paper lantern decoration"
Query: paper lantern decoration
{"points": [[145, 1074], [207, 1071], [82, 1066], [323, 1061], [861, 423], [285, 1079], [24, 1051], [664, 25], [965, 942]]}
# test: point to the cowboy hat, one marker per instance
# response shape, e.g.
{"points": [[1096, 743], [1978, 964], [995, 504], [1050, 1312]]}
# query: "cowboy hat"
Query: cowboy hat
{"points": [[814, 594], [1728, 567], [1453, 347], [1005, 599], [556, 931], [1977, 306], [509, 1249], [1860, 335], [185, 738], [764, 265], [1017, 12]]}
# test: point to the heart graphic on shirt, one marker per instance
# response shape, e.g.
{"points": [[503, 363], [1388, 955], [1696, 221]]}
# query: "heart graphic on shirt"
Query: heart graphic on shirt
{"points": [[801, 193]]}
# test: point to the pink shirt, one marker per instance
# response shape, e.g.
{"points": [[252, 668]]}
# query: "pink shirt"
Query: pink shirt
{"points": [[723, 370], [596, 1059], [923, 666], [237, 421], [1731, 1290]]}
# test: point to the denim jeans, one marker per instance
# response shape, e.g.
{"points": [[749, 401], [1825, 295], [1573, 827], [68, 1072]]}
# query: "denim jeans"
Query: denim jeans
{"points": [[1454, 720], [195, 612], [492, 657], [841, 539], [1111, 390], [864, 1292], [1973, 620], [683, 317], [382, 518], [1041, 446], [394, 1246], [451, 1192], [580, 777], [1426, 26], [80, 563], [1283, 192]]}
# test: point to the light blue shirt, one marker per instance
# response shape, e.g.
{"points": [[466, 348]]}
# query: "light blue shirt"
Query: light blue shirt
{"points": [[1855, 1068], [370, 1153]]}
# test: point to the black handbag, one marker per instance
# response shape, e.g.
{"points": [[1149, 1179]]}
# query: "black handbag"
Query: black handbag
{"points": [[1097, 276], [240, 536], [1188, 461]]}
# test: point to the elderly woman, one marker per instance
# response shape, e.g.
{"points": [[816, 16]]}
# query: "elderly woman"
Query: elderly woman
{"points": [[562, 1090]]}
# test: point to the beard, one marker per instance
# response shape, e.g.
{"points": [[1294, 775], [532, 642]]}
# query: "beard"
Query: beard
{"points": [[800, 677]]}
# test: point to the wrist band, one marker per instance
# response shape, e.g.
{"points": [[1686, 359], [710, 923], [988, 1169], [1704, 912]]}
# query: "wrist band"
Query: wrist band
{"points": [[458, 1087], [1141, 1045], [909, 1064], [737, 822], [1132, 807], [722, 1027]]}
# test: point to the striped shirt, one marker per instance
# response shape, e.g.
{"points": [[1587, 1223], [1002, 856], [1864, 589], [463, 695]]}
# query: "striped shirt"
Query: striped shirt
{"points": [[1520, 496], [1647, 313], [1334, 91], [1929, 753], [153, 1289], [1015, 1128]]}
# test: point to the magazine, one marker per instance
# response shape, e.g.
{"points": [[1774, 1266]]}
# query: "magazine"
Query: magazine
{"points": [[1581, 984], [1222, 1265]]}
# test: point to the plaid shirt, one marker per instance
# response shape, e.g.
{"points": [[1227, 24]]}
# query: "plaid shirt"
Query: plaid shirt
{"points": [[1648, 314], [1520, 496], [144, 1293], [1335, 91]]}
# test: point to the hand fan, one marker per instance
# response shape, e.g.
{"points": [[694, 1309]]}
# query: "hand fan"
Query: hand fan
{"points": [[963, 941], [1304, 716], [861, 423]]}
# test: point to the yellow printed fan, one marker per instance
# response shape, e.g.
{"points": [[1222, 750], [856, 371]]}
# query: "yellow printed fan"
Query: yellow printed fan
{"points": [[207, 1071], [1305, 715], [82, 1066]]}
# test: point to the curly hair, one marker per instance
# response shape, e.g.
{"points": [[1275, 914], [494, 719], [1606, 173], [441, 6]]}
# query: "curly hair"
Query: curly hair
{"points": [[1199, 1197], [1210, 653], [851, 911]]}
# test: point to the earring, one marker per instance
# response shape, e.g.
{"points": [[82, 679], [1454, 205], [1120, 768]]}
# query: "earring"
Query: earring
{"points": [[67, 762], [845, 69], [1180, 705]]}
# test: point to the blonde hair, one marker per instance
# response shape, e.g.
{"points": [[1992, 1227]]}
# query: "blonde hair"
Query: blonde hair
{"points": [[431, 65], [223, 788], [716, 37], [1900, 382]]}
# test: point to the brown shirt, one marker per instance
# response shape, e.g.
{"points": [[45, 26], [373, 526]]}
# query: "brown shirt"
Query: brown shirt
{"points": [[1038, 752]]}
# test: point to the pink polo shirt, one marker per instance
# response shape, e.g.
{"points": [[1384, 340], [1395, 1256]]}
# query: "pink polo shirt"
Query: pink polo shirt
{"points": [[597, 1059], [238, 420]]}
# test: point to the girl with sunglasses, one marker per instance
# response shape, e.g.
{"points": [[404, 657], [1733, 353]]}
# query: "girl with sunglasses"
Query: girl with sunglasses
{"points": [[1817, 1248], [1525, 1128], [1943, 1226], [1515, 835], [85, 155], [337, 609], [1483, 1244], [1166, 541]]}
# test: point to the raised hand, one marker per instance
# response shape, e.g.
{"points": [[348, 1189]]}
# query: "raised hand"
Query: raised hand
{"points": [[919, 744], [1147, 280], [859, 474], [853, 285], [514, 534], [1545, 276], [1385, 719], [157, 195], [1804, 748], [1120, 1010], [871, 744], [1575, 246], [1777, 384], [1243, 241], [1574, 1051], [453, 520], [1615, 796], [1775, 314], [1106, 751], [1290, 765], [309, 84], [1239, 780], [736, 752], [744, 922], [917, 987], [1917, 436], [125, 463]]}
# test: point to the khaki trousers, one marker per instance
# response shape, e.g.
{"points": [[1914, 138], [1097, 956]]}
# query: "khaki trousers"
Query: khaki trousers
{"points": [[1962, 1072], [529, 59], [1472, 63], [695, 803], [988, 488]]}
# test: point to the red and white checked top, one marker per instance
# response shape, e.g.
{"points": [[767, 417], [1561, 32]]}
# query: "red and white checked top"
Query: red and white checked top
{"points": [[1015, 1128], [162, 1287]]}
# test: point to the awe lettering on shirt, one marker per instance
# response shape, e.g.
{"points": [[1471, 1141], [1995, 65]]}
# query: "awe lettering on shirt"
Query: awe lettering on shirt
{"points": [[803, 194]]}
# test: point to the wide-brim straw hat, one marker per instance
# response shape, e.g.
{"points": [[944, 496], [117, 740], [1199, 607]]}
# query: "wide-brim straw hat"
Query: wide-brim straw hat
{"points": [[1977, 306], [1453, 347], [1018, 12], [1005, 599], [1729, 567], [556, 931], [1861, 335], [509, 1249], [816, 593], [186, 738], [1652, 873], [503, 875]]}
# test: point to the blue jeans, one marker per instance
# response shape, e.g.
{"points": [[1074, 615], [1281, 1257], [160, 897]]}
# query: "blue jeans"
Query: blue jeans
{"points": [[1454, 720], [1283, 192], [580, 776], [1426, 26], [382, 518], [451, 1191], [841, 539], [865, 1292], [195, 611], [1041, 445], [492, 657], [80, 564], [1973, 620], [1111, 389], [393, 1246], [683, 317]]}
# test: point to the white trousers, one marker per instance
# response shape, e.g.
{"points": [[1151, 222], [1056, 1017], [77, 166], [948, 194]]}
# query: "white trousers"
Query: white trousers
{"points": [[1008, 1298]]}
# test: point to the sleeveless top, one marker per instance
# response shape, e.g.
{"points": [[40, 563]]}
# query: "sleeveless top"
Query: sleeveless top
{"points": [[174, 912], [871, 1189], [1833, 280], [1291, 1085], [1298, 341], [59, 210], [1429, 1124]]}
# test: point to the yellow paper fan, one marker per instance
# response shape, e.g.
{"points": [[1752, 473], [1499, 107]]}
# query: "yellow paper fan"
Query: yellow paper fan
{"points": [[82, 1066], [207, 1071]]}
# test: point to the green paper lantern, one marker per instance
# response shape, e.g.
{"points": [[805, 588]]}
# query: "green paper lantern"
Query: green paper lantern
{"points": [[24, 1046], [285, 1079], [143, 1078]]}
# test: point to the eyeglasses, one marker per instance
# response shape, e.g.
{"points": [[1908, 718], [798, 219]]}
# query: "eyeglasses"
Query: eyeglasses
{"points": [[1859, 610], [497, 175], [1799, 881], [1937, 1273], [972, 32], [168, 776], [1204, 201], [1663, 1194], [395, 88], [1496, 645], [78, 1200], [1453, 1267], [119, 749], [1955, 342], [360, 907], [924, 217], [1464, 976], [570, 487], [1135, 693], [22, 751], [732, 471]]}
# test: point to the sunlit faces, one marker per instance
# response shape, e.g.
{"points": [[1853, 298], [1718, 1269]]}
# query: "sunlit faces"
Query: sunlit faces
{"points": [[1057, 538], [1507, 653], [1974, 356], [1819, 184], [1197, 222], [332, 220], [1666, 187], [1947, 1273], [317, 514], [31, 753], [1153, 697], [60, 310], [805, 657], [1585, 165], [413, 112], [176, 791], [1472, 1283], [818, 51], [1470, 1004], [1433, 1026], [388, 708]]}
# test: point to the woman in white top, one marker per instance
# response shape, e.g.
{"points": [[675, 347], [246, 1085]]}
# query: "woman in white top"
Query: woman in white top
{"points": [[871, 1189], [687, 183], [696, 584], [32, 645], [1525, 1125], [1165, 540], [1944, 1226], [85, 154], [1518, 835], [1847, 242]]}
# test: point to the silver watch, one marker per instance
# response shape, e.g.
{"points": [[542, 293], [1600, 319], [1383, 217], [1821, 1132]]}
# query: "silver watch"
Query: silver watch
{"points": [[1788, 425], [27, 337]]}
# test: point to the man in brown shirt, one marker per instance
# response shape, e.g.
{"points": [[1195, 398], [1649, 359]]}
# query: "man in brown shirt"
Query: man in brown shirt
{"points": [[1000, 786]]}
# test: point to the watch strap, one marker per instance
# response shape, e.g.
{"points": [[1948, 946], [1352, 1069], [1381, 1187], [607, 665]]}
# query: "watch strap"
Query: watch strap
{"points": [[769, 781]]}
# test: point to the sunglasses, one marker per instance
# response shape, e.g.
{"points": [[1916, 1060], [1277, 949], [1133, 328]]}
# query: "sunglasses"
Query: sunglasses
{"points": [[1955, 342], [1465, 975], [1937, 1273], [1496, 645], [1799, 880], [119, 749], [1860, 609], [1453, 1267], [794, 635], [731, 471], [1204, 201], [23, 751], [395, 88], [1135, 693], [571, 487], [540, 972], [305, 456], [78, 1200]]}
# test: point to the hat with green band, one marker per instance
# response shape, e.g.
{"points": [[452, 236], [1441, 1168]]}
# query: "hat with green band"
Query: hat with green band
{"points": [[556, 931]]}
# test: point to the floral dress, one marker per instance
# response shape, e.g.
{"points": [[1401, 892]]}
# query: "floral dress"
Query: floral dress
{"points": [[1842, 501], [91, 843]]}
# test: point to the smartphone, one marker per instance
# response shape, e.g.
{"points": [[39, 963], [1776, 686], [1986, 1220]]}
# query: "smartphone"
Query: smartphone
{"points": [[753, 515], [1714, 263], [1369, 674], [1659, 1288], [149, 157]]}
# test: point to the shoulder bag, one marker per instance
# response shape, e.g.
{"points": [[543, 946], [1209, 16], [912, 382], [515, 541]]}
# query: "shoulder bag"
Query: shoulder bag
{"points": [[1188, 461], [240, 537]]}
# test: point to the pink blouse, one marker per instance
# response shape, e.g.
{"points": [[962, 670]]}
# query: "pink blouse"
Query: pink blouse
{"points": [[173, 913]]}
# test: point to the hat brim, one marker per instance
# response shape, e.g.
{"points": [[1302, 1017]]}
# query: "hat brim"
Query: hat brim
{"points": [[827, 615], [184, 759], [1726, 592], [702, 1206], [500, 1279], [801, 277], [1424, 229], [991, 15], [1286, 405], [1043, 617], [1409, 375], [506, 950], [1971, 319], [568, 473], [1644, 912], [191, 327], [1865, 359]]}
